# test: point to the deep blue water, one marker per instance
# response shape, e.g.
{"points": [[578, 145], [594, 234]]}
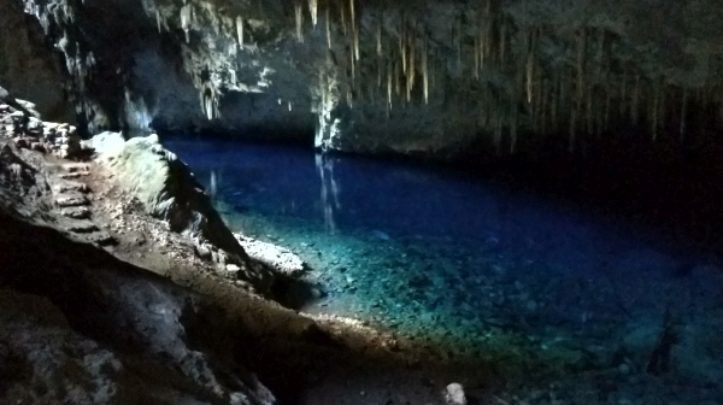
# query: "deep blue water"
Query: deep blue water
{"points": [[489, 272]]}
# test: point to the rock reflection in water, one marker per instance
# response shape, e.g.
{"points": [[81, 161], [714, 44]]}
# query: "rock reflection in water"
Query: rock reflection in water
{"points": [[329, 190]]}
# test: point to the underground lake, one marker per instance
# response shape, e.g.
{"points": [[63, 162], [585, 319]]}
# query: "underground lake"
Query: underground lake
{"points": [[537, 287]]}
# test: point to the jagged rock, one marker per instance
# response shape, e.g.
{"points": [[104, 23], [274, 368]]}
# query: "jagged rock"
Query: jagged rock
{"points": [[167, 190], [63, 341]]}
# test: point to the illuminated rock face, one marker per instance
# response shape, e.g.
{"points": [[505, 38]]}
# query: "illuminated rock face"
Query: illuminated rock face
{"points": [[411, 77]]}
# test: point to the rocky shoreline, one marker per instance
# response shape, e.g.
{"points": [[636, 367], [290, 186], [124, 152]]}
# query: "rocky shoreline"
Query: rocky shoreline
{"points": [[71, 210]]}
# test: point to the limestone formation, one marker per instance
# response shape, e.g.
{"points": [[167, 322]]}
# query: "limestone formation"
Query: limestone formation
{"points": [[166, 188], [410, 77]]}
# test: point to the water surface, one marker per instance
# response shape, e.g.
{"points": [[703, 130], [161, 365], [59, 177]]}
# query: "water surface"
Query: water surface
{"points": [[539, 288]]}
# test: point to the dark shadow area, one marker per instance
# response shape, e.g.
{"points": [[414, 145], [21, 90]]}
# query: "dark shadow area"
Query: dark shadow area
{"points": [[295, 293], [85, 284]]}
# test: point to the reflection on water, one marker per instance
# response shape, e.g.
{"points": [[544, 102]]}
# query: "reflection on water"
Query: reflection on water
{"points": [[213, 184], [329, 190], [537, 288]]}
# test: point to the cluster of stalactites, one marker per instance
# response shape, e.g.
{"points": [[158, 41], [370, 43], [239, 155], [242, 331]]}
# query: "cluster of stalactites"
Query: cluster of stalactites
{"points": [[395, 61], [389, 55]]}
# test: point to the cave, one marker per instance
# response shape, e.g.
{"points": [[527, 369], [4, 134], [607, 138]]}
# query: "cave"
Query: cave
{"points": [[361, 202]]}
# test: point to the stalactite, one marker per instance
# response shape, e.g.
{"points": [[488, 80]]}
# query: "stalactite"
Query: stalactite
{"points": [[683, 112], [327, 17], [425, 72], [342, 18], [299, 19], [545, 104], [158, 21], [529, 70], [240, 31], [623, 92], [412, 69], [606, 115], [503, 42], [498, 135], [355, 42], [352, 64], [186, 21], [379, 37], [589, 119], [403, 48], [476, 56], [458, 46], [513, 128], [352, 13], [380, 71], [654, 111], [314, 11], [397, 81], [557, 100], [635, 100], [390, 85]]}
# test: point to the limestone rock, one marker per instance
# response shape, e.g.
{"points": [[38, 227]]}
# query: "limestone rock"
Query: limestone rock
{"points": [[167, 190], [278, 258], [454, 394]]}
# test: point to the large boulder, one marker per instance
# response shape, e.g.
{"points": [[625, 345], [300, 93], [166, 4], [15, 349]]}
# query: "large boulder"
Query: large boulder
{"points": [[167, 190]]}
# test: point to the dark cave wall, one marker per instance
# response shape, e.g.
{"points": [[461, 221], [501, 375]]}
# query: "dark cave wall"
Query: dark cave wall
{"points": [[413, 77], [29, 68]]}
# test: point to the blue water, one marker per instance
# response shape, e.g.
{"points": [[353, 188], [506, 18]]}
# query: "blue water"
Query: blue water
{"points": [[536, 286]]}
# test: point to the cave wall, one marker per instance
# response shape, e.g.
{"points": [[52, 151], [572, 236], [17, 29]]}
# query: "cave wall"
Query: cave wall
{"points": [[427, 77], [29, 68]]}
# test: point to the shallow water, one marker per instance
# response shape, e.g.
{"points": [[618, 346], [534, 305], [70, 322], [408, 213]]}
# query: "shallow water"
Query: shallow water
{"points": [[538, 288]]}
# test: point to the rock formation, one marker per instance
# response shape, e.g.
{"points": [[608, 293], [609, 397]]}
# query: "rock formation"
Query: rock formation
{"points": [[412, 76]]}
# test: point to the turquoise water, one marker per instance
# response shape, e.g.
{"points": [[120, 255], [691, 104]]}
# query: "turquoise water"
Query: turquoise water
{"points": [[537, 288]]}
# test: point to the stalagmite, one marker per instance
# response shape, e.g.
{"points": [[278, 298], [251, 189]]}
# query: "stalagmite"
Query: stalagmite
{"points": [[299, 19], [240, 31], [314, 11]]}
